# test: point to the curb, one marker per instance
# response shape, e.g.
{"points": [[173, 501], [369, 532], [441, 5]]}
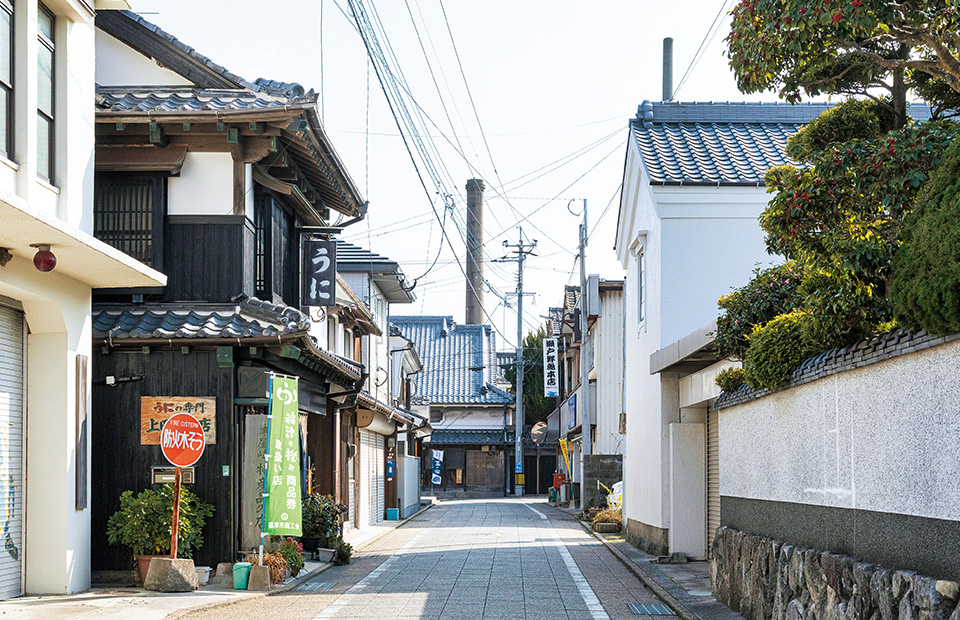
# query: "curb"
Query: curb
{"points": [[177, 615], [673, 602]]}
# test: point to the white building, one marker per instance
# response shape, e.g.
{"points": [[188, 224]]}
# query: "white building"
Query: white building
{"points": [[46, 197], [687, 233]]}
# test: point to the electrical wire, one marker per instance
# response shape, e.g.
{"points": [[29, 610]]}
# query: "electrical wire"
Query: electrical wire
{"points": [[704, 44]]}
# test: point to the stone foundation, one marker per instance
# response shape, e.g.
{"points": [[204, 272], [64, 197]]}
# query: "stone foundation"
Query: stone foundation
{"points": [[653, 540], [766, 579]]}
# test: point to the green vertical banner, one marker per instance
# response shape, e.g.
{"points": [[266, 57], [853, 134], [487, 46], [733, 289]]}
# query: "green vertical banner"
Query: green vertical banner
{"points": [[283, 509]]}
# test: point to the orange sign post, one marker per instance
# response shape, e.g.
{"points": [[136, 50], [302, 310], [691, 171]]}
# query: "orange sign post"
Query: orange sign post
{"points": [[182, 443]]}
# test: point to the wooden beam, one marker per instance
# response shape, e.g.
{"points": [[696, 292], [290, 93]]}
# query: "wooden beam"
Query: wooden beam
{"points": [[258, 148], [239, 187]]}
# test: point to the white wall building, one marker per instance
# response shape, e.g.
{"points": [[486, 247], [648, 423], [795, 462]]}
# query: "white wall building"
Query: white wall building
{"points": [[46, 197], [687, 233]]}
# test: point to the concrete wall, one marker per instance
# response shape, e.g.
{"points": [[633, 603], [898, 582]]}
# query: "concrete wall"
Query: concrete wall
{"points": [[605, 468], [862, 461], [408, 471], [56, 546]]}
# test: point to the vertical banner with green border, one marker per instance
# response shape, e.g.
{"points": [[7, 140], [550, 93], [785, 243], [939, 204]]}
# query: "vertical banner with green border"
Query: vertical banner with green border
{"points": [[283, 509]]}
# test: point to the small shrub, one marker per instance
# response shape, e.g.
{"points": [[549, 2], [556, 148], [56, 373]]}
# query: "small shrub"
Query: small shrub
{"points": [[853, 119], [292, 552], [730, 380], [145, 521], [776, 349], [342, 550], [322, 517], [769, 293], [608, 516], [925, 288]]}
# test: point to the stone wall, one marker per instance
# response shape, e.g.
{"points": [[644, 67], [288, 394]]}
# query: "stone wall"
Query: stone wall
{"points": [[608, 469], [766, 579]]}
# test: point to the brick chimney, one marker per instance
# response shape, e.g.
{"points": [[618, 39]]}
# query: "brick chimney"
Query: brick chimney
{"points": [[474, 315]]}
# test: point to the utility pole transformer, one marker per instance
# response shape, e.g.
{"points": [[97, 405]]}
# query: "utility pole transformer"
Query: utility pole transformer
{"points": [[522, 250]]}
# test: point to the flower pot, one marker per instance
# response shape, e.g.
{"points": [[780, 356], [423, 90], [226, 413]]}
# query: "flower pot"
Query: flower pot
{"points": [[143, 565], [203, 574], [325, 555]]}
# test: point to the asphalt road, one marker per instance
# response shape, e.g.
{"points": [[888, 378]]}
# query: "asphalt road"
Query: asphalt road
{"points": [[463, 560]]}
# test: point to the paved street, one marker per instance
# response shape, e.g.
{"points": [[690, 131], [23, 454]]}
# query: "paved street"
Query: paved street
{"points": [[466, 560]]}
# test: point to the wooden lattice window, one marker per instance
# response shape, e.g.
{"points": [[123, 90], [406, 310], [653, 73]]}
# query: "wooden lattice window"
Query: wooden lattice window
{"points": [[128, 214]]}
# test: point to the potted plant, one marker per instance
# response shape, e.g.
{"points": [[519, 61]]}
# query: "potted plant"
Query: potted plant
{"points": [[322, 517], [291, 551], [145, 521]]}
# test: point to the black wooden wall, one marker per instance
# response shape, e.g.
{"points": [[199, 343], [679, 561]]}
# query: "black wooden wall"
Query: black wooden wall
{"points": [[120, 463], [208, 258]]}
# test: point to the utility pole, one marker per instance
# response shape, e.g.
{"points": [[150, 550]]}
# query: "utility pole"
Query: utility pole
{"points": [[522, 250], [585, 438]]}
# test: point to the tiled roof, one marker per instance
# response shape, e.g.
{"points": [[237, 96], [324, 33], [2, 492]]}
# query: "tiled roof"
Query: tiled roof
{"points": [[385, 272], [459, 361], [173, 99], [450, 437], [250, 318], [720, 143]]}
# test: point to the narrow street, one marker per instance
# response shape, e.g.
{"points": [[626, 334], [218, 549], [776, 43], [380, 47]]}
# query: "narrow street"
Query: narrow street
{"points": [[466, 560]]}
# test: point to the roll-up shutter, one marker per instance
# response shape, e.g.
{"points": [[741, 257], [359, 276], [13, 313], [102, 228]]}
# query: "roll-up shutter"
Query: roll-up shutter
{"points": [[713, 476], [12, 373], [367, 475]]}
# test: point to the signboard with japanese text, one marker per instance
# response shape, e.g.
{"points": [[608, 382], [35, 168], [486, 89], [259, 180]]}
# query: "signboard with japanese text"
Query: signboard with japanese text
{"points": [[156, 410], [572, 411], [182, 440], [283, 509], [319, 273], [551, 370], [437, 474]]}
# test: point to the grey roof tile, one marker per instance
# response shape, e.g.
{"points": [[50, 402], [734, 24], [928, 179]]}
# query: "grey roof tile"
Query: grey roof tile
{"points": [[720, 143], [459, 361], [184, 100]]}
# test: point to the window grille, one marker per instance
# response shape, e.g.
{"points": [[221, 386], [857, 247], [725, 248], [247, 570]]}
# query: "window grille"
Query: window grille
{"points": [[128, 215]]}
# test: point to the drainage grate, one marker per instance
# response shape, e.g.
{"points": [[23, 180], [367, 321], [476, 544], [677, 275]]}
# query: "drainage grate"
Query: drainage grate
{"points": [[649, 609], [316, 586]]}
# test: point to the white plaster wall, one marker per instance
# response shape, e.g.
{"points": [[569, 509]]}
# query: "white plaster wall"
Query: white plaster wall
{"points": [[204, 187], [470, 418], [646, 466], [608, 362], [121, 65], [688, 491], [883, 437]]}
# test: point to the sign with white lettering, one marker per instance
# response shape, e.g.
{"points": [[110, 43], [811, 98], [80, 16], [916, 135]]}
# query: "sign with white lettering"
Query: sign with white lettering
{"points": [[182, 440], [156, 410], [436, 477], [283, 510], [551, 370], [319, 273]]}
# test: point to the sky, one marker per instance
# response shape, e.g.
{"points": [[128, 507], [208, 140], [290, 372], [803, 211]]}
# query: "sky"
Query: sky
{"points": [[510, 92]]}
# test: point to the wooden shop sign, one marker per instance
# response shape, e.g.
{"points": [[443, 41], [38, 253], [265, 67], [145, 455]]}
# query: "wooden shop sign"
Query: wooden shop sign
{"points": [[156, 410]]}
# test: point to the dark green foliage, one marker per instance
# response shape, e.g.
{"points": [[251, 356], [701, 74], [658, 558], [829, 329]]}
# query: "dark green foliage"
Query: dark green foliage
{"points": [[771, 292], [853, 119], [926, 270], [342, 551], [536, 406], [730, 380], [776, 350], [144, 522], [322, 517]]}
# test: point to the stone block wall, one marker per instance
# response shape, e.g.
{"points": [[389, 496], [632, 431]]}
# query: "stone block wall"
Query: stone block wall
{"points": [[767, 579], [607, 468]]}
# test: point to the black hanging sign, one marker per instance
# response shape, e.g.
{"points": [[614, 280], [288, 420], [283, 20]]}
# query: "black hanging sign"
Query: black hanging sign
{"points": [[319, 273]]}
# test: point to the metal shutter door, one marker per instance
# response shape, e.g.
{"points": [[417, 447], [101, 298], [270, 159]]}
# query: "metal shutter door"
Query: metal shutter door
{"points": [[381, 476], [366, 476], [713, 476], [12, 374]]}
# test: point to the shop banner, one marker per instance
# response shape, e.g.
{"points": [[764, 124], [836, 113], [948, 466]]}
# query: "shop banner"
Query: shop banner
{"points": [[437, 467], [551, 376], [566, 455], [283, 507]]}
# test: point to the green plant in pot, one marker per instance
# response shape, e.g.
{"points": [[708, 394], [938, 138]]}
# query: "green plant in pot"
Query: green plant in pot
{"points": [[322, 517], [145, 521]]}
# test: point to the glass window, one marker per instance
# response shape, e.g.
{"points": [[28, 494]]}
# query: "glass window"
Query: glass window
{"points": [[45, 94], [6, 78]]}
